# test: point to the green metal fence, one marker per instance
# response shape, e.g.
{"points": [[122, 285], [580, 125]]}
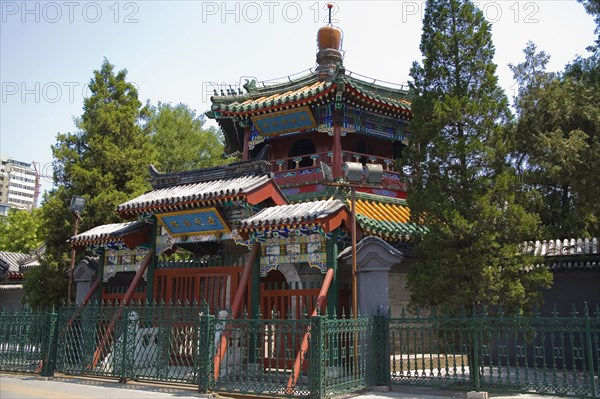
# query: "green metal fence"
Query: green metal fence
{"points": [[142, 342], [313, 357], [310, 357], [25, 339], [546, 355]]}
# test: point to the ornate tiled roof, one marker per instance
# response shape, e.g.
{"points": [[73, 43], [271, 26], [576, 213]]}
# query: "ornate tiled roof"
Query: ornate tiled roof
{"points": [[236, 169], [233, 109], [580, 246], [567, 254], [301, 96], [295, 214], [386, 219], [106, 233], [10, 261], [195, 194], [14, 264], [11, 287], [306, 91], [377, 95]]}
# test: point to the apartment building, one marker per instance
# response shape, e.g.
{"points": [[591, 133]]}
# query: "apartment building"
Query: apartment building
{"points": [[17, 183]]}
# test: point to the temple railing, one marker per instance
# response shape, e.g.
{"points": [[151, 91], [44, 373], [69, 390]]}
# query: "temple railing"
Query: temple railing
{"points": [[290, 171]]}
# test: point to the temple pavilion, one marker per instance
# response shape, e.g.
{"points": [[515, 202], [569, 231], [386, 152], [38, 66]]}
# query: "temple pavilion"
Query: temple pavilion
{"points": [[272, 234]]}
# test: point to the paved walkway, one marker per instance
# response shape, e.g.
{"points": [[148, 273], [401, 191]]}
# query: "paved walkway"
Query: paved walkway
{"points": [[36, 387], [434, 393], [14, 386]]}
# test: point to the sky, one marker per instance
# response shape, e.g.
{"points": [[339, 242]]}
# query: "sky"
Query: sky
{"points": [[180, 51]]}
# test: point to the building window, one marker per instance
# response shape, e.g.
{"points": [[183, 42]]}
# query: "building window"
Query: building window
{"points": [[301, 148], [362, 147]]}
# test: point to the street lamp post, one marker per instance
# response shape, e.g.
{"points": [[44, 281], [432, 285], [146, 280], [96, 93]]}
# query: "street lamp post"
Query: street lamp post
{"points": [[354, 277], [76, 207], [354, 172]]}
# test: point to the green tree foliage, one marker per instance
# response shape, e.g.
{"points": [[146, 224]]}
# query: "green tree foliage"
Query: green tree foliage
{"points": [[463, 189], [57, 223], [557, 142], [181, 141], [592, 7], [106, 161], [19, 231], [46, 285]]}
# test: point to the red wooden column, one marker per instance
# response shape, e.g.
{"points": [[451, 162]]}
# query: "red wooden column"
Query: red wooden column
{"points": [[337, 145], [320, 307], [246, 153], [236, 307]]}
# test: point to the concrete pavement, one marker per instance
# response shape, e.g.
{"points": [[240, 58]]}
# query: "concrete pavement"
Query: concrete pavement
{"points": [[35, 387], [13, 386], [411, 392]]}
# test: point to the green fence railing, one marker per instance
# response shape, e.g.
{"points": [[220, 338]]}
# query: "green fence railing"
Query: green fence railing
{"points": [[140, 342], [26, 338], [537, 354], [313, 357]]}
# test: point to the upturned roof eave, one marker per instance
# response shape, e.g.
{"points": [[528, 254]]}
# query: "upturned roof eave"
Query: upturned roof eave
{"points": [[306, 213], [108, 234], [392, 100], [264, 91], [275, 107], [258, 188]]}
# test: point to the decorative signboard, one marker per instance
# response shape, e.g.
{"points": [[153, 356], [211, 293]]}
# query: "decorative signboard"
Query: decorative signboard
{"points": [[293, 120], [195, 222], [165, 242], [123, 260], [293, 246]]}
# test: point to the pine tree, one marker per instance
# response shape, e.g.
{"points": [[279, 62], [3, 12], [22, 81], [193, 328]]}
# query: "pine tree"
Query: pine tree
{"points": [[106, 161], [463, 187], [557, 140]]}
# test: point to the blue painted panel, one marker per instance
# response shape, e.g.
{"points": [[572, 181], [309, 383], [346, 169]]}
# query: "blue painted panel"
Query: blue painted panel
{"points": [[285, 121], [196, 222]]}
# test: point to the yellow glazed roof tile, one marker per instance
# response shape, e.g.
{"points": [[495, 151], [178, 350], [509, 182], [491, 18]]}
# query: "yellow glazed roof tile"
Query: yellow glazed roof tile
{"points": [[388, 220]]}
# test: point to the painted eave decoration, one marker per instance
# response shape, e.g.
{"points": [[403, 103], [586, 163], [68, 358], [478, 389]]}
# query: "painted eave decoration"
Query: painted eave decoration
{"points": [[294, 120], [195, 222]]}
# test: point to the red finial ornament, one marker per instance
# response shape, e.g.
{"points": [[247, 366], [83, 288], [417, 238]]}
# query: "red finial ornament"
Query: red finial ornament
{"points": [[330, 6]]}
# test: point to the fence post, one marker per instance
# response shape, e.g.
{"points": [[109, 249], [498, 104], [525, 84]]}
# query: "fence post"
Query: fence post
{"points": [[133, 325], [316, 369], [381, 357], [590, 353], [50, 355], [475, 350], [206, 338], [123, 349]]}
